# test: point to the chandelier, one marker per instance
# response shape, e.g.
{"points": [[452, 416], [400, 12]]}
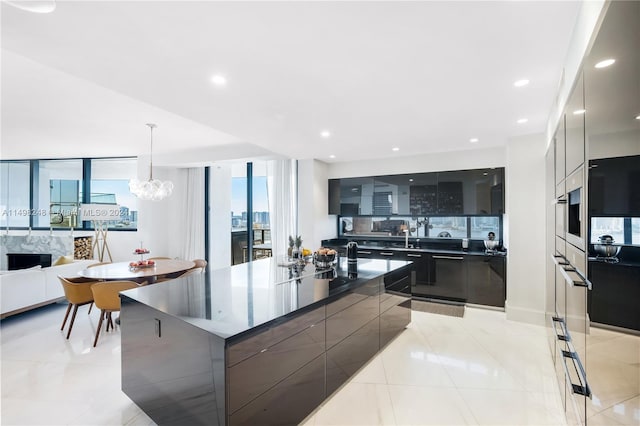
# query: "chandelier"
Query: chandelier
{"points": [[152, 189]]}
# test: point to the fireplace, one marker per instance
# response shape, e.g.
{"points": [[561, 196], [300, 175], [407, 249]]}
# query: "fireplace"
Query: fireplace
{"points": [[28, 260]]}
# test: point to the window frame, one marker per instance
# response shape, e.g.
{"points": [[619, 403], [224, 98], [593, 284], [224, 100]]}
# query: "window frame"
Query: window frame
{"points": [[85, 185]]}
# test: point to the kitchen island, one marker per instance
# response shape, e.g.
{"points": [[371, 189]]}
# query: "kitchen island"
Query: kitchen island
{"points": [[257, 343]]}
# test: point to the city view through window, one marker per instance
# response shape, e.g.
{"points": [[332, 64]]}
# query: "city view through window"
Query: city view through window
{"points": [[239, 218]]}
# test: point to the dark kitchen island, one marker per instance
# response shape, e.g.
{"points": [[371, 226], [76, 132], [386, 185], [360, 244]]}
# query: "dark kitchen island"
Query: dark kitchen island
{"points": [[257, 343]]}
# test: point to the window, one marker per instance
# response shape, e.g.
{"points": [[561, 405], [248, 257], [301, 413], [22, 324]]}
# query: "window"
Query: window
{"points": [[110, 185], [476, 227], [613, 226], [48, 193], [635, 231], [14, 194], [448, 227], [58, 191], [482, 225]]}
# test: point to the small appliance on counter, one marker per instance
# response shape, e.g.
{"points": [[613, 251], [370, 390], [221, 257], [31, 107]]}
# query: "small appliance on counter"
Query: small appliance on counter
{"points": [[352, 259], [491, 245], [606, 250]]}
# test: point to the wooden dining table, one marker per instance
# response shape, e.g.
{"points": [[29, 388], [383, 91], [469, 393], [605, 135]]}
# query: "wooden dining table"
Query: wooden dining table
{"points": [[122, 271]]}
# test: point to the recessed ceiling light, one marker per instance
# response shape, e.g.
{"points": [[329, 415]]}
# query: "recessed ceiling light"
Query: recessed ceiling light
{"points": [[637, 117], [474, 140], [395, 149], [485, 174], [410, 180], [523, 120], [521, 83], [579, 111], [605, 63], [218, 80], [325, 134], [332, 156]]}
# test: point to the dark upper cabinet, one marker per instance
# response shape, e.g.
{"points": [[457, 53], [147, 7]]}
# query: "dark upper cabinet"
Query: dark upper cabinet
{"points": [[423, 194], [351, 196], [334, 196], [613, 187], [479, 191], [462, 192], [574, 128], [450, 192], [391, 195]]}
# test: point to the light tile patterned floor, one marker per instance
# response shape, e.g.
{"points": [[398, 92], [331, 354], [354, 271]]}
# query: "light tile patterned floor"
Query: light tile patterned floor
{"points": [[480, 369]]}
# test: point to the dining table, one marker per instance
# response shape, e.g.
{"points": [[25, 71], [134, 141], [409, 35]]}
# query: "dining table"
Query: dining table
{"points": [[123, 270]]}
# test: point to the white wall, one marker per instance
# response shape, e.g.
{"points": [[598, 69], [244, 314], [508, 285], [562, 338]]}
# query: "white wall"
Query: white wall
{"points": [[314, 224], [525, 207], [441, 161]]}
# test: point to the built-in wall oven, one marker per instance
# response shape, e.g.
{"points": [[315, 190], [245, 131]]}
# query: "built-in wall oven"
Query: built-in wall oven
{"points": [[576, 226]]}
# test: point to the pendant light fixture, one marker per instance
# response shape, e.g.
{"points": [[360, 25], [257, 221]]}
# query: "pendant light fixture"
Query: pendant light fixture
{"points": [[152, 189]]}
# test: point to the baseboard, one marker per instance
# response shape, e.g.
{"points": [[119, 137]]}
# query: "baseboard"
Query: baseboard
{"points": [[526, 315]]}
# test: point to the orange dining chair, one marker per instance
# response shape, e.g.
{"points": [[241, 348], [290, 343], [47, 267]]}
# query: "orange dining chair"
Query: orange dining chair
{"points": [[200, 264], [77, 291], [107, 299]]}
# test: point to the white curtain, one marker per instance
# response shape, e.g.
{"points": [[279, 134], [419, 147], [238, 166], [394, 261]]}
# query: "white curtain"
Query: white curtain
{"points": [[192, 208], [282, 190]]}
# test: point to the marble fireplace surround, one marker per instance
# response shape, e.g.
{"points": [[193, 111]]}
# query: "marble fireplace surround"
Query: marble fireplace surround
{"points": [[56, 245]]}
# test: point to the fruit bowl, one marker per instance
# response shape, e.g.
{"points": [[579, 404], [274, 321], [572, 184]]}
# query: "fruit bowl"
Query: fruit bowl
{"points": [[325, 258], [141, 251], [141, 264]]}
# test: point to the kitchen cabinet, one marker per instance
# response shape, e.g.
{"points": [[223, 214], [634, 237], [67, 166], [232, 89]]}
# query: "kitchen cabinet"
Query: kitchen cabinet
{"points": [[423, 194], [486, 280], [447, 278], [391, 195], [614, 297], [450, 193], [236, 372], [351, 196], [560, 155], [477, 192], [613, 188], [574, 129]]}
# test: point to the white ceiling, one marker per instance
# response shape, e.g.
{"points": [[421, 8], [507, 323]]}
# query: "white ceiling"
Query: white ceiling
{"points": [[421, 76]]}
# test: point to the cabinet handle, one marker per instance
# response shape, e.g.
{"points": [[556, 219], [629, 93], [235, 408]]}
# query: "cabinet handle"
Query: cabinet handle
{"points": [[563, 335], [448, 257], [364, 252], [158, 328], [413, 255], [386, 253], [583, 387]]}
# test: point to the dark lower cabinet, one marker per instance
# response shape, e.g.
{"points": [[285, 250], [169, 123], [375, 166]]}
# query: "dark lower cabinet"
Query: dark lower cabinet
{"points": [[486, 280], [346, 357], [181, 370], [447, 279], [613, 299], [173, 371], [249, 379], [289, 401]]}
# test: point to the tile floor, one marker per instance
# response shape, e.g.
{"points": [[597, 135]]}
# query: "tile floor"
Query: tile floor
{"points": [[479, 370]]}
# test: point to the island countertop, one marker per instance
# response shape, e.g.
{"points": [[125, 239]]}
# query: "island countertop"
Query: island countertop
{"points": [[230, 302]]}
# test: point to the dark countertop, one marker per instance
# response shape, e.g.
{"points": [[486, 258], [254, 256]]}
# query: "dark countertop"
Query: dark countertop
{"points": [[476, 247], [233, 301]]}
